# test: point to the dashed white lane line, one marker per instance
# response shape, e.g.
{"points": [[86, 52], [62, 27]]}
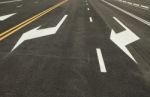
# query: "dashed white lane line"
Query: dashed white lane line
{"points": [[91, 19], [19, 6], [130, 3], [101, 60], [128, 13], [87, 4], [2, 18], [10, 1], [88, 9], [145, 7], [136, 5], [36, 2]]}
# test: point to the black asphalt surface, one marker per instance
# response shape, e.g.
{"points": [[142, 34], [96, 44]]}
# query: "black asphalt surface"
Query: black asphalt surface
{"points": [[66, 64]]}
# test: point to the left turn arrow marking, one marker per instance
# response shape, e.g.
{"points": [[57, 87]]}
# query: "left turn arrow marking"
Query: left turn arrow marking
{"points": [[35, 33]]}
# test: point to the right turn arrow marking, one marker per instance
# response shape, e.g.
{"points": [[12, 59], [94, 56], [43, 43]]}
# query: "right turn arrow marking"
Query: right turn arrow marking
{"points": [[124, 38]]}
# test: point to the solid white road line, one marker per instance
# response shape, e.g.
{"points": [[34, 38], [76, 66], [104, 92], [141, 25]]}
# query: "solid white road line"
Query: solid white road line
{"points": [[128, 13], [10, 1], [91, 19], [2, 18], [101, 61]]}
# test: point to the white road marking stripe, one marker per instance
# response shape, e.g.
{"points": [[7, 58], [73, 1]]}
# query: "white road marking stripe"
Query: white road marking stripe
{"points": [[10, 1], [130, 3], [145, 7], [91, 19], [128, 13], [136, 5], [124, 1], [101, 60], [36, 2], [88, 9], [20, 6], [2, 18]]}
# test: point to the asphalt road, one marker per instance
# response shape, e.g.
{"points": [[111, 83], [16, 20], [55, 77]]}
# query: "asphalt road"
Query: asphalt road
{"points": [[74, 48]]}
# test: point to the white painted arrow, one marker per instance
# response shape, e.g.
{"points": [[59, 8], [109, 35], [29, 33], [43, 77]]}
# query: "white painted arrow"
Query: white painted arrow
{"points": [[35, 33], [2, 18], [124, 38]]}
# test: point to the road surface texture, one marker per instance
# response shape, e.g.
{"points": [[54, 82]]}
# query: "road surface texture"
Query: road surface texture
{"points": [[74, 48]]}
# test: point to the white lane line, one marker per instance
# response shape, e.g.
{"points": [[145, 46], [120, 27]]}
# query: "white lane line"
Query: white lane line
{"points": [[88, 9], [145, 7], [36, 2], [87, 4], [130, 3], [136, 5], [128, 13], [91, 19], [124, 1], [2, 18], [101, 60], [19, 6], [10, 1]]}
